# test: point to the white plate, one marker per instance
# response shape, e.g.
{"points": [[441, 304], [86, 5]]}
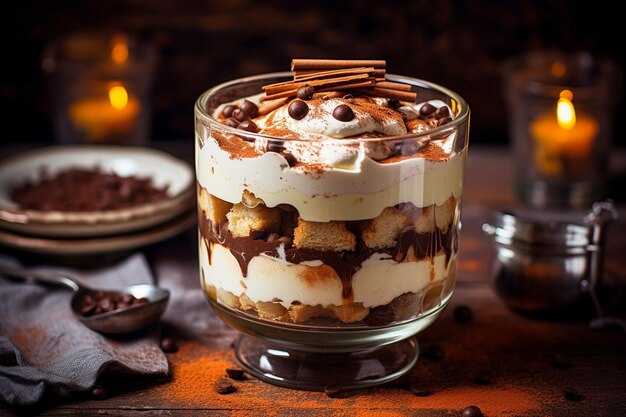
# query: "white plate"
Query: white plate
{"points": [[103, 244], [162, 168]]}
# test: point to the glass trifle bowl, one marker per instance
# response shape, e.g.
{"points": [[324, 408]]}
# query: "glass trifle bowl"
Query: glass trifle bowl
{"points": [[328, 224]]}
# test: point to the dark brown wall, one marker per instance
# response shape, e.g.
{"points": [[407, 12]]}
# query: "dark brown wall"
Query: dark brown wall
{"points": [[460, 44]]}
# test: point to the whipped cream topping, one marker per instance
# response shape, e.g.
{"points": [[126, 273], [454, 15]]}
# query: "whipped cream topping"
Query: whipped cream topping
{"points": [[320, 135], [369, 117]]}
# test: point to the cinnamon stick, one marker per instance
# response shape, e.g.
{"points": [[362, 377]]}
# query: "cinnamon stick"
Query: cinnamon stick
{"points": [[302, 75], [393, 86], [270, 105], [389, 93], [364, 76], [300, 64], [280, 87]]}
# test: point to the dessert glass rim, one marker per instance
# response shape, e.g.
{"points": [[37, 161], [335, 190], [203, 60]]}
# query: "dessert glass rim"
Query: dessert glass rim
{"points": [[426, 136]]}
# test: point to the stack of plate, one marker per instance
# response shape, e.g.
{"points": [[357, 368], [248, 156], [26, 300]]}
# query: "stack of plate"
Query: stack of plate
{"points": [[80, 233]]}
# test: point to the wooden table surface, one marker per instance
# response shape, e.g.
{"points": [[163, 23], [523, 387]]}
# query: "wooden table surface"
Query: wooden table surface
{"points": [[501, 362]]}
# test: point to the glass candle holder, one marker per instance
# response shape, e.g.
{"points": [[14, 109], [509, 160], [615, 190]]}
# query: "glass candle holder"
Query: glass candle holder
{"points": [[99, 85], [561, 110], [291, 250]]}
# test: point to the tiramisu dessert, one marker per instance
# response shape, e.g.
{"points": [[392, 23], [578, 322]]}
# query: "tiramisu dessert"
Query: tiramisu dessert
{"points": [[331, 199]]}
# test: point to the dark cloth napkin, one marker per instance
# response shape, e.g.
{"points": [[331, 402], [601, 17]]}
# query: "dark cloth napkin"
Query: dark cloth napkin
{"points": [[44, 349]]}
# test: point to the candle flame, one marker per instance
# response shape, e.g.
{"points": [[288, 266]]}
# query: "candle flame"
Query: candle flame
{"points": [[565, 113], [119, 52], [118, 96]]}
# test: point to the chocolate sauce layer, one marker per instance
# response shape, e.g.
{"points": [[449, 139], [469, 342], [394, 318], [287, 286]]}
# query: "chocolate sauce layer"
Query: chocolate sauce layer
{"points": [[345, 264]]}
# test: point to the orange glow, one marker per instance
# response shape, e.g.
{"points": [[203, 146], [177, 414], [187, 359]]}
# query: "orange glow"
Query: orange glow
{"points": [[558, 69], [565, 113], [119, 52], [118, 96]]}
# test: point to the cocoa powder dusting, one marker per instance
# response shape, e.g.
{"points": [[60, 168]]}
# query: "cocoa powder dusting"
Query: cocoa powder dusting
{"points": [[236, 147]]}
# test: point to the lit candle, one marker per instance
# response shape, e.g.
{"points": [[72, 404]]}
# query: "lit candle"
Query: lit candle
{"points": [[563, 140], [106, 118]]}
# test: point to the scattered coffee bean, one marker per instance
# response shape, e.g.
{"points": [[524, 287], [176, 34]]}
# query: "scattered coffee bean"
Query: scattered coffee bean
{"points": [[442, 111], [291, 160], [227, 111], [237, 374], [258, 234], [298, 109], [463, 314], [275, 147], [471, 411], [224, 386], [561, 362], [572, 394], [419, 392], [249, 108], [434, 353], [231, 122], [343, 113], [168, 345], [333, 390], [273, 237], [305, 93], [427, 109], [286, 240], [393, 103], [240, 115], [482, 380], [379, 316], [99, 393], [249, 126]]}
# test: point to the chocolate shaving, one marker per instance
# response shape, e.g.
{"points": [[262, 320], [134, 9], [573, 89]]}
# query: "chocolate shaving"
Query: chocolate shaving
{"points": [[368, 76]]}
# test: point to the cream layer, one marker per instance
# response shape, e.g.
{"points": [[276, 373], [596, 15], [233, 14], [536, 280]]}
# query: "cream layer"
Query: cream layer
{"points": [[360, 192], [378, 282]]}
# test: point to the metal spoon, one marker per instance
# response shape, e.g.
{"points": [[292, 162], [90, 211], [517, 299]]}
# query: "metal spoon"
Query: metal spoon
{"points": [[124, 320]]}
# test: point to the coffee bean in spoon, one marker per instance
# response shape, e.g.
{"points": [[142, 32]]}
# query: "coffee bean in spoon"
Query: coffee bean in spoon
{"points": [[105, 303]]}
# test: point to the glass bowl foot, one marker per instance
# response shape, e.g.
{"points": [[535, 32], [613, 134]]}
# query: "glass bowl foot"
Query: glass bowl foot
{"points": [[315, 371]]}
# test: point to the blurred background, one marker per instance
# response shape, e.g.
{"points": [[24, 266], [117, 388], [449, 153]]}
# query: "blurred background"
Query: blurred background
{"points": [[460, 44]]}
